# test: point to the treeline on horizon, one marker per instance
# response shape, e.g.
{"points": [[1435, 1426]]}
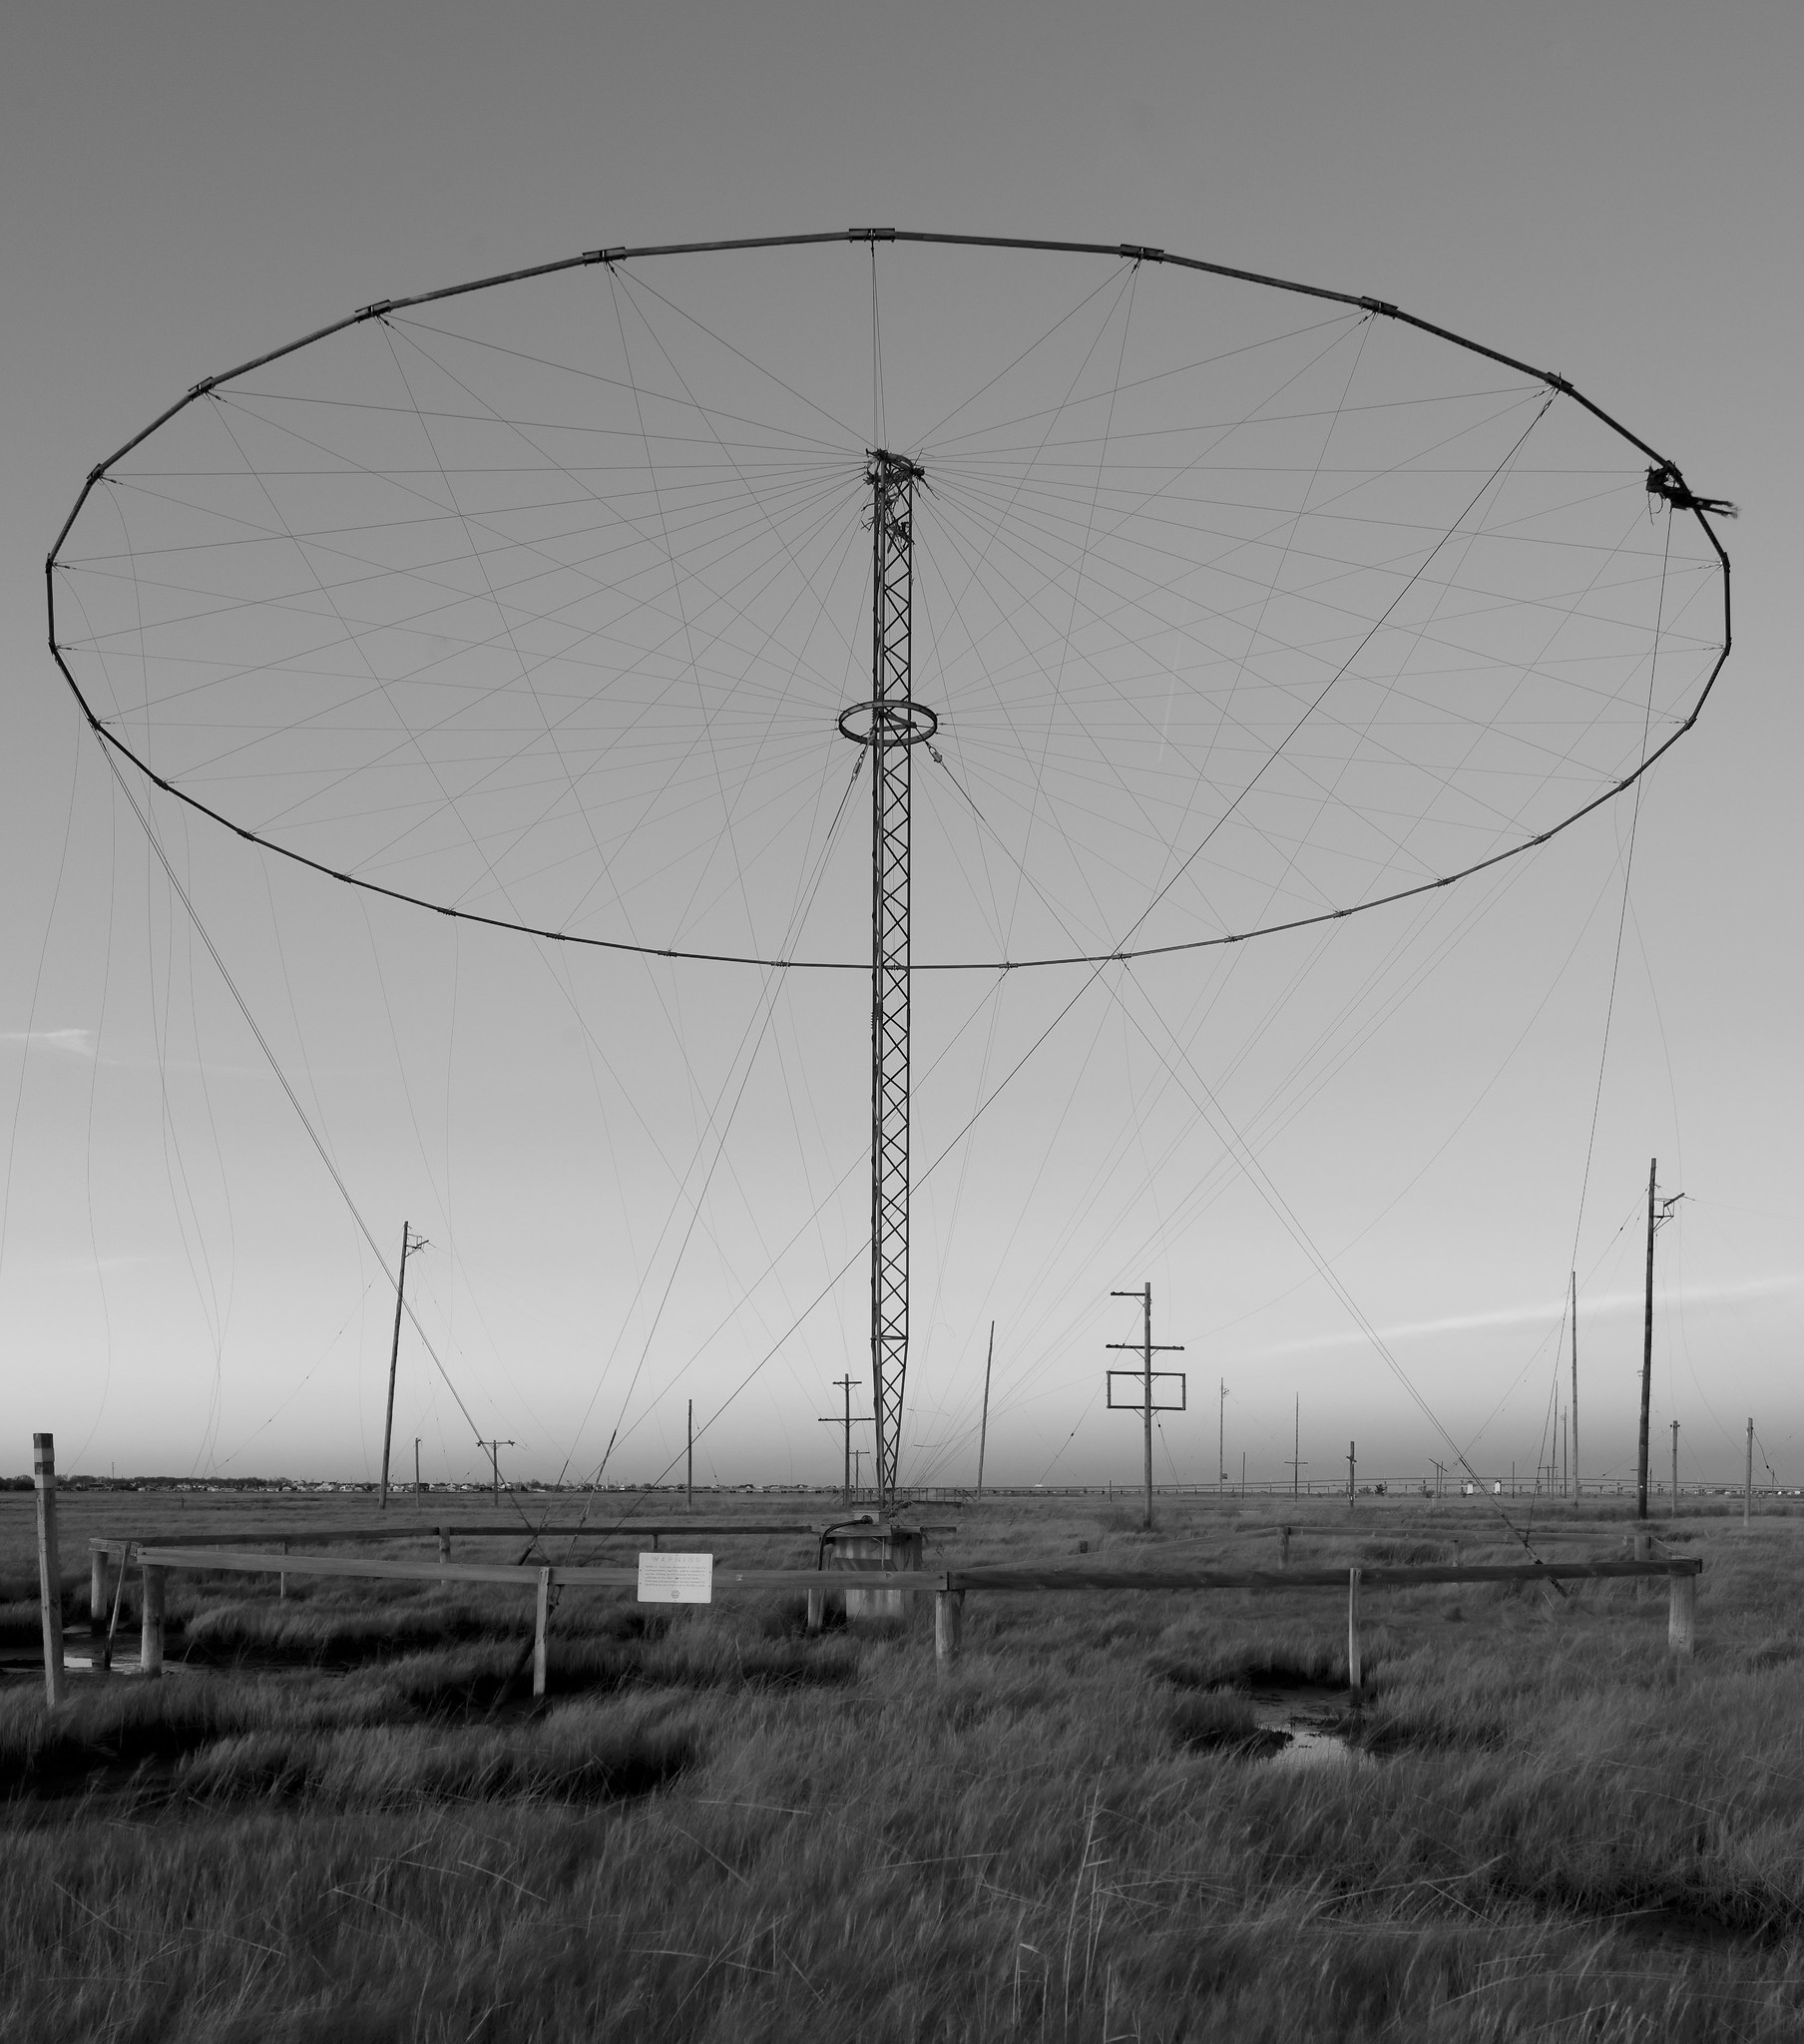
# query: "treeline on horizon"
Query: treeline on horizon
{"points": [[78, 1481]]}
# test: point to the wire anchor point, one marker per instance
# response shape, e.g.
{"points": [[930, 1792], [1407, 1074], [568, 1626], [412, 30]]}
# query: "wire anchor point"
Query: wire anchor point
{"points": [[1665, 482]]}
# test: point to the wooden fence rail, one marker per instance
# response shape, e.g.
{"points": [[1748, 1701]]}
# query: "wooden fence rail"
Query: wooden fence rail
{"points": [[569, 1574], [949, 1586], [484, 1529], [1682, 1572], [1398, 1573]]}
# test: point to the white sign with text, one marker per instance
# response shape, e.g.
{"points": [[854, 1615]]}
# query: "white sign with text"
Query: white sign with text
{"points": [[676, 1579]]}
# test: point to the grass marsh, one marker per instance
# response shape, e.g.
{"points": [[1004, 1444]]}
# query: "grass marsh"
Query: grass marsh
{"points": [[335, 1820]]}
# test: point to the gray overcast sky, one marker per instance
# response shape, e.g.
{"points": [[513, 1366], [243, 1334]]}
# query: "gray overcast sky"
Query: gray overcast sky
{"points": [[1610, 191]]}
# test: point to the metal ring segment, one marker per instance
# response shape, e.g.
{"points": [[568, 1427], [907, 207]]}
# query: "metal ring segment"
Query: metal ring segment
{"points": [[900, 722]]}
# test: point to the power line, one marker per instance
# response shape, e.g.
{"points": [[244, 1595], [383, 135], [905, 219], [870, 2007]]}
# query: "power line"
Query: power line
{"points": [[263, 1044]]}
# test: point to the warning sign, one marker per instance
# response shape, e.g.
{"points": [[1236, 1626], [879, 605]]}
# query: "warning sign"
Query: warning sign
{"points": [[676, 1579]]}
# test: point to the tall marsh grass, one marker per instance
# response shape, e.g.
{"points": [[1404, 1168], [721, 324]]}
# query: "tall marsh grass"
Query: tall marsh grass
{"points": [[725, 1830]]}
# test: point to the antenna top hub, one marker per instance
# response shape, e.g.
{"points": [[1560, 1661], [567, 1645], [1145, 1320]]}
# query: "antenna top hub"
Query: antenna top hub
{"points": [[891, 469]]}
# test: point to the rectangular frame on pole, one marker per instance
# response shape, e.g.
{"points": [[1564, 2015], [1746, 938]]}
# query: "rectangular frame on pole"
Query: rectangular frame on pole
{"points": [[1145, 1407], [1137, 1378]]}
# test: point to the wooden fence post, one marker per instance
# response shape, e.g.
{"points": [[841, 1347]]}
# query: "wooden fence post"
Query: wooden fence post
{"points": [[119, 1598], [1682, 1620], [96, 1604], [541, 1619], [1284, 1547], [1354, 1671], [948, 1623], [282, 1580], [444, 1545], [150, 1637], [50, 1575], [817, 1610]]}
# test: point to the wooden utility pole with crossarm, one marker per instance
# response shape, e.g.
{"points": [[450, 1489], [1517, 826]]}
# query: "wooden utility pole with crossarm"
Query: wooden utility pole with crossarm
{"points": [[1148, 1348], [847, 1419]]}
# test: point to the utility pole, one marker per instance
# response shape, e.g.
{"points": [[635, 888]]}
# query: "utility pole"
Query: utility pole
{"points": [[1748, 1495], [1221, 1439], [1647, 1353], [983, 1434], [845, 1420], [1578, 1466], [689, 1468], [1297, 1464], [1658, 1212], [409, 1241], [495, 1449], [858, 1455], [1676, 1465], [1146, 1347], [416, 1468], [1352, 1471]]}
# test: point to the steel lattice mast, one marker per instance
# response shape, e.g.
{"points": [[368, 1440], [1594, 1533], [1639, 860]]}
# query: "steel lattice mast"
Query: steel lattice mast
{"points": [[891, 725]]}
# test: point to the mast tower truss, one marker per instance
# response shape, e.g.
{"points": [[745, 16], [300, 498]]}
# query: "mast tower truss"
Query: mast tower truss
{"points": [[895, 725]]}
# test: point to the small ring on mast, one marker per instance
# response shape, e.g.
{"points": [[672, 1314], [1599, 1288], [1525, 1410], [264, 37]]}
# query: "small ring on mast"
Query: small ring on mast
{"points": [[898, 722]]}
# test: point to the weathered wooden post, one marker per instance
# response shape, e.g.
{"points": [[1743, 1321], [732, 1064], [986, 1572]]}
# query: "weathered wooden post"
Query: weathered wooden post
{"points": [[1682, 1620], [119, 1598], [817, 1610], [282, 1580], [96, 1604], [541, 1619], [444, 1545], [1354, 1671], [948, 1622], [1284, 1547], [50, 1578], [150, 1636]]}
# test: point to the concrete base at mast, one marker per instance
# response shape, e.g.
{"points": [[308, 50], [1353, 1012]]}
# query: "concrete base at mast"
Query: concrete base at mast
{"points": [[871, 1544]]}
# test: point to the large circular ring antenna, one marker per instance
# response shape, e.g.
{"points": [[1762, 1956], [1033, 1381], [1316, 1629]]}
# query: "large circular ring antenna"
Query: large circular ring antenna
{"points": [[1244, 604]]}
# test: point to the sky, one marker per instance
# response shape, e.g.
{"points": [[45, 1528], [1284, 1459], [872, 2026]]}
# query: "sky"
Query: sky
{"points": [[1408, 1104]]}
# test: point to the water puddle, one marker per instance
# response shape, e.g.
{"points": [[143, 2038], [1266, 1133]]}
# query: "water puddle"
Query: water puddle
{"points": [[1309, 1718], [1684, 1930], [124, 1662]]}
